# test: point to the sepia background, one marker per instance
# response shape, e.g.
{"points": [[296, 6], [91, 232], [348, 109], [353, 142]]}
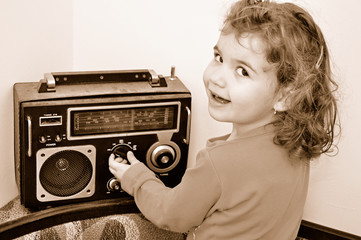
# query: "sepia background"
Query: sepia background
{"points": [[42, 36]]}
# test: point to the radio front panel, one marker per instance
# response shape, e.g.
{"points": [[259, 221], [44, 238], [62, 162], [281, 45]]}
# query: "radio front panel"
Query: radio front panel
{"points": [[64, 145]]}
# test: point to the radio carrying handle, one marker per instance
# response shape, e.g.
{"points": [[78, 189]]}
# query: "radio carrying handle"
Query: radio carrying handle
{"points": [[48, 84]]}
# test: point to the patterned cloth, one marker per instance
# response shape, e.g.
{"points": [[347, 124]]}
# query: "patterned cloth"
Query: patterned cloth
{"points": [[119, 227]]}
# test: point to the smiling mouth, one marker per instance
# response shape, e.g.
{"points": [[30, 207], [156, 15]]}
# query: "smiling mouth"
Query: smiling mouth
{"points": [[219, 99]]}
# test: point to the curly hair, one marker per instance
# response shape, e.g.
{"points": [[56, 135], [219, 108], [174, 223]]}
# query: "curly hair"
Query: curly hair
{"points": [[295, 44]]}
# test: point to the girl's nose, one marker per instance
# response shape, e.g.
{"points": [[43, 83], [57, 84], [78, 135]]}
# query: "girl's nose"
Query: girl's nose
{"points": [[218, 77]]}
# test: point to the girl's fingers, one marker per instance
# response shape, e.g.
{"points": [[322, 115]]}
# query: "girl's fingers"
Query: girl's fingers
{"points": [[131, 158]]}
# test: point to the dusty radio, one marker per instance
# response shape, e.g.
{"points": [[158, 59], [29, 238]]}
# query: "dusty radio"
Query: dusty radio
{"points": [[68, 124]]}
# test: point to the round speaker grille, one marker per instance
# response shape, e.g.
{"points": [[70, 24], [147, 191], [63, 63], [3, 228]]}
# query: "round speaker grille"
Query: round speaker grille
{"points": [[66, 173]]}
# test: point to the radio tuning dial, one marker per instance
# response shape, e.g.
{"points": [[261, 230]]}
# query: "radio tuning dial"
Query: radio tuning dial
{"points": [[121, 150], [163, 156]]}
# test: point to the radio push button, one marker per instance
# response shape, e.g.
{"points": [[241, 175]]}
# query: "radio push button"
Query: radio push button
{"points": [[121, 150]]}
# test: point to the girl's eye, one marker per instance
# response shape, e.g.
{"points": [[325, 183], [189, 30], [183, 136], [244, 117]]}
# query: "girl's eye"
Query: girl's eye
{"points": [[242, 72], [218, 58]]}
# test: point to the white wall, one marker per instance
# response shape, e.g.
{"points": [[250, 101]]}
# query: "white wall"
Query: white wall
{"points": [[116, 34], [335, 190], [36, 37]]}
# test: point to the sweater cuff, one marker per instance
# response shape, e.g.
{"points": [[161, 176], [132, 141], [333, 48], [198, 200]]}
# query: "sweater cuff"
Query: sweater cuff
{"points": [[134, 178]]}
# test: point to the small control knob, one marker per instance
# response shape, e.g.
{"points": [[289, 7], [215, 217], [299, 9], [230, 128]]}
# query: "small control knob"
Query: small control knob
{"points": [[113, 185], [42, 139], [58, 138], [121, 150]]}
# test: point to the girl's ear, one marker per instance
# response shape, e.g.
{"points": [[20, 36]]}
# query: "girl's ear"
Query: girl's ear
{"points": [[281, 106], [282, 102]]}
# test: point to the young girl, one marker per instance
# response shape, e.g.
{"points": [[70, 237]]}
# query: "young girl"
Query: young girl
{"points": [[270, 77]]}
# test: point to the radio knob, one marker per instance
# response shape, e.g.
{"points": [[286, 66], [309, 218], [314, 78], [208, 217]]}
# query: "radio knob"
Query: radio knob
{"points": [[58, 138], [113, 185], [163, 156], [42, 139], [121, 150]]}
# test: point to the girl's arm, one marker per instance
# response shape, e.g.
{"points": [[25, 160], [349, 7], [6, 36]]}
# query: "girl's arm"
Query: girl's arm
{"points": [[179, 208]]}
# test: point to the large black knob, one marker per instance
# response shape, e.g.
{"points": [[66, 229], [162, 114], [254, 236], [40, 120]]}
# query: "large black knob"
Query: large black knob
{"points": [[163, 156], [121, 150]]}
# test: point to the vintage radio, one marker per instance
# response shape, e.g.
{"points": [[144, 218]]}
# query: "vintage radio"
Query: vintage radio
{"points": [[68, 124]]}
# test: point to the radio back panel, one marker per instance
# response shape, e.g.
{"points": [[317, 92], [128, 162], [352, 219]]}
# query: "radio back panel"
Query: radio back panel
{"points": [[64, 136]]}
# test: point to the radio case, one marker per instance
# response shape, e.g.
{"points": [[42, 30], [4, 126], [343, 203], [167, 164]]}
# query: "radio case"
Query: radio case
{"points": [[68, 124]]}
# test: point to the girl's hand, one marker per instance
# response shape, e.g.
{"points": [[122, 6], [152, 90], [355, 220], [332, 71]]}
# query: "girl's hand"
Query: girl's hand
{"points": [[118, 166]]}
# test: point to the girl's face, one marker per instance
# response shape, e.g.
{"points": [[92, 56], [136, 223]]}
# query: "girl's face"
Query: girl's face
{"points": [[240, 83]]}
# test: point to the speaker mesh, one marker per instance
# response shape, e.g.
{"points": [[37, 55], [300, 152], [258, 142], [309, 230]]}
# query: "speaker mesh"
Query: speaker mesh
{"points": [[65, 173]]}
